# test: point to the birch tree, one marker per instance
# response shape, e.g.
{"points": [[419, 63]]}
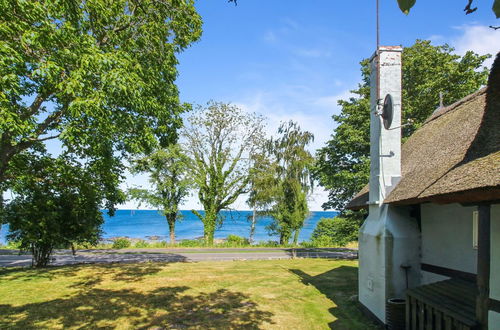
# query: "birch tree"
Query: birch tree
{"points": [[292, 180]]}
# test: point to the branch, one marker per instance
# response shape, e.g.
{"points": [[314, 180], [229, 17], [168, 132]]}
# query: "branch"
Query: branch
{"points": [[42, 127], [468, 10], [47, 138], [37, 103], [117, 29]]}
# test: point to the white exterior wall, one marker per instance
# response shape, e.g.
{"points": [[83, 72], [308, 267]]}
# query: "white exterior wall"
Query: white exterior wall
{"points": [[447, 239], [389, 238], [494, 317]]}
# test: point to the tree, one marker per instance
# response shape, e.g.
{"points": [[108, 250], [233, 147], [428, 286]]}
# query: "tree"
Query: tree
{"points": [[336, 231], [97, 75], [168, 175], [57, 203], [343, 165], [219, 141], [262, 187], [406, 5], [292, 180]]}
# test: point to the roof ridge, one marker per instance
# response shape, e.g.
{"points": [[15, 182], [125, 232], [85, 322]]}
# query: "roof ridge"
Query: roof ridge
{"points": [[448, 108]]}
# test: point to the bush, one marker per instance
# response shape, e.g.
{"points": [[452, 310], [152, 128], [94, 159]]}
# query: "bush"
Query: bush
{"points": [[57, 203], [121, 243], [335, 232], [237, 240], [191, 243], [141, 244], [269, 243]]}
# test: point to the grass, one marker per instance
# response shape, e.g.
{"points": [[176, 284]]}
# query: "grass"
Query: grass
{"points": [[299, 294]]}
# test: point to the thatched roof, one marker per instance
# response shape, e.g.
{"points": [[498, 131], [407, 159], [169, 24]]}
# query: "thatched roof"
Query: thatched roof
{"points": [[454, 156]]}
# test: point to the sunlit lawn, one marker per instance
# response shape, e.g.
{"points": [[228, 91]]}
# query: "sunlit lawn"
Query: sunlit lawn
{"points": [[298, 294]]}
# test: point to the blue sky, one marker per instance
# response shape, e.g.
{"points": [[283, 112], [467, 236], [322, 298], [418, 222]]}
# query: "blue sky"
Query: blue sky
{"points": [[294, 59]]}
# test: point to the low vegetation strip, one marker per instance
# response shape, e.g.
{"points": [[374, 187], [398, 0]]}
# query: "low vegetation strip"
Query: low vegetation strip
{"points": [[300, 293]]}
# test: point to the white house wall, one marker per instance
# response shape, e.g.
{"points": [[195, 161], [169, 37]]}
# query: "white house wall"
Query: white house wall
{"points": [[494, 317], [447, 239]]}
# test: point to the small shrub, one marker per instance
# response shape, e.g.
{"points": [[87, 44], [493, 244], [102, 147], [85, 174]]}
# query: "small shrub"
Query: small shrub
{"points": [[121, 243], [237, 240], [14, 245], [307, 245], [269, 243], [191, 243], [141, 244], [334, 232]]}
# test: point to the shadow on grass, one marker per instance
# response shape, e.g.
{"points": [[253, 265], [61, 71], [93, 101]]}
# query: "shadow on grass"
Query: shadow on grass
{"points": [[125, 272], [92, 306], [340, 285], [167, 307], [29, 274]]}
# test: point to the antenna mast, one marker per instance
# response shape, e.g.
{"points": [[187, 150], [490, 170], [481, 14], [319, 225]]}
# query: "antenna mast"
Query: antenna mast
{"points": [[378, 57], [378, 26]]}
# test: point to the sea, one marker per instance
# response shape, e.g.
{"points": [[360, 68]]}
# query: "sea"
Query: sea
{"points": [[147, 224]]}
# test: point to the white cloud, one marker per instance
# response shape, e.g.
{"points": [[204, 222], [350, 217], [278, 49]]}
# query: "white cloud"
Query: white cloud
{"points": [[270, 37], [478, 38], [436, 38], [331, 102]]}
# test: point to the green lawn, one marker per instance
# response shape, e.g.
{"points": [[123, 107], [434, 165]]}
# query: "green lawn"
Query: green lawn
{"points": [[299, 294]]}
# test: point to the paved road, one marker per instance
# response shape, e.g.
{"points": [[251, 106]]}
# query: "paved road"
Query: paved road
{"points": [[9, 258]]}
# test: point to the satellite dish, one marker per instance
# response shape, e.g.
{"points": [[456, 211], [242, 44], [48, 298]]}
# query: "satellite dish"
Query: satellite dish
{"points": [[387, 111]]}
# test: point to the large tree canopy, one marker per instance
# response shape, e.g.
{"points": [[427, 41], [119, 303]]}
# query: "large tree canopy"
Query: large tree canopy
{"points": [[170, 181], [99, 75], [57, 202], [343, 165], [220, 140], [292, 180]]}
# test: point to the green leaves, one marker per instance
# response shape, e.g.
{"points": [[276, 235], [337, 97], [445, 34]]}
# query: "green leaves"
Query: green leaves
{"points": [[57, 202], [496, 8], [101, 73], [220, 140], [406, 5], [168, 175], [291, 180]]}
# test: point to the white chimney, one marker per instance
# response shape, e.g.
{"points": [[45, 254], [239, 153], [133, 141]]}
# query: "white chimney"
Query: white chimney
{"points": [[387, 239], [385, 142]]}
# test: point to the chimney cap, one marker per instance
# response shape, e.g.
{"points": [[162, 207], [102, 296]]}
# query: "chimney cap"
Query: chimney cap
{"points": [[384, 49], [390, 48]]}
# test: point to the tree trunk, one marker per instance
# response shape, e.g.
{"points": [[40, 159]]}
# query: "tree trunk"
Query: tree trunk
{"points": [[209, 227], [1, 207], [40, 255], [296, 237], [285, 237], [171, 218], [252, 226]]}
